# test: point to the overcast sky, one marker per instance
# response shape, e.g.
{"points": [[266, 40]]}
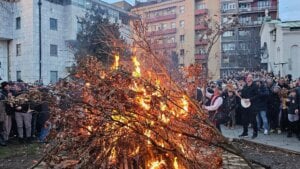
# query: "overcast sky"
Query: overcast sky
{"points": [[289, 10]]}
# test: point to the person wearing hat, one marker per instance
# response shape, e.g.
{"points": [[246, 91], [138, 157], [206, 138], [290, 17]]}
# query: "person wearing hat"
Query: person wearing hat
{"points": [[215, 107]]}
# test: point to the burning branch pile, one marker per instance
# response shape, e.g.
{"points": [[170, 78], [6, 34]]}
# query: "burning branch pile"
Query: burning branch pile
{"points": [[126, 118]]}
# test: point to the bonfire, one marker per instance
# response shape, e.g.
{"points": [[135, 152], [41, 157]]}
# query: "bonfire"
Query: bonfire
{"points": [[127, 117]]}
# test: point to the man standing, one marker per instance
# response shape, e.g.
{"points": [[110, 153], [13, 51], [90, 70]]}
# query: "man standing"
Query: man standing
{"points": [[250, 94]]}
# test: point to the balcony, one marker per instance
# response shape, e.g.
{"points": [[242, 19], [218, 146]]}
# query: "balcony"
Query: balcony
{"points": [[164, 46], [201, 57], [162, 32], [161, 18], [257, 9], [201, 42], [201, 27], [201, 11]]}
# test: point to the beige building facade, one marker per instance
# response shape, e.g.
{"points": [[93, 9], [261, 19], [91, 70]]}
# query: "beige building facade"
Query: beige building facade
{"points": [[180, 28]]}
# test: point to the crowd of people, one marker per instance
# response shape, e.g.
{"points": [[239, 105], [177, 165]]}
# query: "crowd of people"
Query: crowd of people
{"points": [[265, 102], [20, 118]]}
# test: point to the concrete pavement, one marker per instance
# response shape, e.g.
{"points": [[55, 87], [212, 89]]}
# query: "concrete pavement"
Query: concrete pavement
{"points": [[274, 139]]}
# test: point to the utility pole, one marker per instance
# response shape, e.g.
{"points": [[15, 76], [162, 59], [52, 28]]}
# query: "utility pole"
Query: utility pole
{"points": [[40, 40]]}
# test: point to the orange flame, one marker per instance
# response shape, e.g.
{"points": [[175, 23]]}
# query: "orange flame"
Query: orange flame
{"points": [[175, 163], [156, 164], [136, 151], [116, 63], [185, 106], [165, 119], [113, 155], [137, 71]]}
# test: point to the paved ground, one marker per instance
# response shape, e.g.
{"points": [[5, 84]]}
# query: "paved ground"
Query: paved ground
{"points": [[277, 140], [231, 161]]}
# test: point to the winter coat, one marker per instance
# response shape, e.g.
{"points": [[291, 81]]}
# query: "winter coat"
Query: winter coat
{"points": [[251, 92], [262, 104], [230, 104], [2, 112]]}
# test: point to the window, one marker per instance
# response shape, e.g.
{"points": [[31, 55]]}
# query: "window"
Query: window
{"points": [[53, 76], [228, 46], [164, 26], [245, 20], [228, 6], [53, 24], [245, 7], [18, 23], [18, 75], [53, 50], [243, 46], [181, 23], [18, 49], [182, 38], [263, 4], [173, 25], [181, 9], [181, 52], [172, 40], [228, 34], [200, 5], [243, 33], [172, 11]]}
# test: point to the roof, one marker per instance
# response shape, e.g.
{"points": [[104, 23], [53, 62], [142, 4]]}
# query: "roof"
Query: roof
{"points": [[290, 24]]}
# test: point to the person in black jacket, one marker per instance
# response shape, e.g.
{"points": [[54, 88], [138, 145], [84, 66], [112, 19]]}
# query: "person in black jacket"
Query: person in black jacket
{"points": [[250, 94], [293, 113], [274, 108], [262, 106]]}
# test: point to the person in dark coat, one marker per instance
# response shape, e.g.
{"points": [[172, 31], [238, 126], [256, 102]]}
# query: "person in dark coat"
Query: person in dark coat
{"points": [[250, 94], [274, 108], [293, 114], [262, 106]]}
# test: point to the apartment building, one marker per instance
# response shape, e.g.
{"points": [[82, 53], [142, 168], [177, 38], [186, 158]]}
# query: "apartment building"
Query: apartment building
{"points": [[35, 36], [179, 28], [241, 49]]}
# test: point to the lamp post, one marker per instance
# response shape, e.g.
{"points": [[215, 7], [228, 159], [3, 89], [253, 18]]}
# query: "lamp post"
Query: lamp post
{"points": [[40, 40]]}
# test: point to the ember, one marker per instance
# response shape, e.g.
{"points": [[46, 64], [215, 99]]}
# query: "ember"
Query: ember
{"points": [[130, 122]]}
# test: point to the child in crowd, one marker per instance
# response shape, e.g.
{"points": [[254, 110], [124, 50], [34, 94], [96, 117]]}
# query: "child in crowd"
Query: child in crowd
{"points": [[230, 105]]}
